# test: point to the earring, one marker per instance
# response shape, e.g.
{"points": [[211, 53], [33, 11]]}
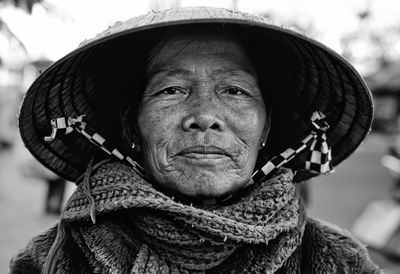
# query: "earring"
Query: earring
{"points": [[133, 145], [263, 144]]}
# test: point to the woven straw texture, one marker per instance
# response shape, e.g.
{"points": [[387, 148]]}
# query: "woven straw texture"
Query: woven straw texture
{"points": [[96, 80]]}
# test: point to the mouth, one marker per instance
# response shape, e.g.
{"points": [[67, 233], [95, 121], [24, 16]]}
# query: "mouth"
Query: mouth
{"points": [[203, 152]]}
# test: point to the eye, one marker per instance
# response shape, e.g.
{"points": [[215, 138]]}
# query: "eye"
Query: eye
{"points": [[235, 91], [170, 91]]}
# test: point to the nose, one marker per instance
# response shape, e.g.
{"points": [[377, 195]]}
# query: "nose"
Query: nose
{"points": [[204, 111], [202, 122]]}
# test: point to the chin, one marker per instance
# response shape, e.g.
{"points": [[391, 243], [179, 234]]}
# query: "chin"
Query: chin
{"points": [[208, 187]]}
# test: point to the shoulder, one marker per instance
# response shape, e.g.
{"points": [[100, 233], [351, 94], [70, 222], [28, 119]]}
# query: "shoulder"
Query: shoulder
{"points": [[32, 258], [334, 250]]}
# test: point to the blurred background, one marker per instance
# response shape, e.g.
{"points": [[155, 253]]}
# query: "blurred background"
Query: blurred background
{"points": [[362, 196]]}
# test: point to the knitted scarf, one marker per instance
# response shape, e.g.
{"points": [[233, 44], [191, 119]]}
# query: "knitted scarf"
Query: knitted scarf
{"points": [[140, 230], [258, 232]]}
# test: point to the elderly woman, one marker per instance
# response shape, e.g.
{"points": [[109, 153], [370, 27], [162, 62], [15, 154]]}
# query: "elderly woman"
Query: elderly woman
{"points": [[188, 133]]}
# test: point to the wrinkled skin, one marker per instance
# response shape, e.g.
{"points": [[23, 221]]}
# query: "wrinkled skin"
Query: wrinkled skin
{"points": [[202, 118]]}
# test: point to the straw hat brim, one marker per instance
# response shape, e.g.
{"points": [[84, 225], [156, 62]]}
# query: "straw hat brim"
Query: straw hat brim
{"points": [[319, 79]]}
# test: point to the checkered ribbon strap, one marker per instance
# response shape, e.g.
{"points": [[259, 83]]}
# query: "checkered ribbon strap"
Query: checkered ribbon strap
{"points": [[62, 126], [320, 156]]}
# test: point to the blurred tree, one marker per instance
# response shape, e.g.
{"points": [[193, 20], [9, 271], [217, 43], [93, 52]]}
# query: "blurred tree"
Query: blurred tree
{"points": [[374, 50], [371, 48], [26, 5], [10, 35]]}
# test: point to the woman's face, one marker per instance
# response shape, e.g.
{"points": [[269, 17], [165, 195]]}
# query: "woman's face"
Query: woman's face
{"points": [[202, 118]]}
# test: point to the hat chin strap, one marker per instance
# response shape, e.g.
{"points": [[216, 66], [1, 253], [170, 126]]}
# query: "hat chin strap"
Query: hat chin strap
{"points": [[65, 125], [320, 153], [318, 160]]}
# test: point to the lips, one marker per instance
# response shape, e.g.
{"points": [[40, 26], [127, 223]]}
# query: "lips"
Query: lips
{"points": [[203, 152]]}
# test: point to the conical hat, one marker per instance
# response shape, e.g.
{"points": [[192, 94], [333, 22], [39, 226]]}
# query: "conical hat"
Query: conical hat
{"points": [[83, 82]]}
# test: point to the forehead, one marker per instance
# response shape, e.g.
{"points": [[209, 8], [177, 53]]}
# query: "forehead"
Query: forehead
{"points": [[223, 50]]}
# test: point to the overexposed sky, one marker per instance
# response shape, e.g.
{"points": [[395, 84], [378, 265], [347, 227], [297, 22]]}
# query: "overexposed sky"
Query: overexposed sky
{"points": [[54, 35]]}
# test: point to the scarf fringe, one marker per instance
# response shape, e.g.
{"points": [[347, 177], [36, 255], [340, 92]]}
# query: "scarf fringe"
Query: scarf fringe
{"points": [[62, 230], [50, 265], [86, 189]]}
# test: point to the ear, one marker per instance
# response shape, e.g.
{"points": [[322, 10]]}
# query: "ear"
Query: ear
{"points": [[137, 146], [129, 133], [266, 129], [136, 138]]}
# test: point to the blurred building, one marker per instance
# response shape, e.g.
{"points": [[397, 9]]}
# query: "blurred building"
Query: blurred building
{"points": [[385, 86], [12, 61]]}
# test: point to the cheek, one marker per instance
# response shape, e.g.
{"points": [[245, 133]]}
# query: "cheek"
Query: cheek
{"points": [[156, 128], [249, 125], [153, 123]]}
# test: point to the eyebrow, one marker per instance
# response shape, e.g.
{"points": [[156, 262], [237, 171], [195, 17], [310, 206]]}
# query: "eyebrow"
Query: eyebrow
{"points": [[168, 71]]}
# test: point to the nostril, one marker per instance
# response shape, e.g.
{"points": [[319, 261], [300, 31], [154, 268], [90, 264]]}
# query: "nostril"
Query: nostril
{"points": [[214, 126], [194, 126], [202, 122]]}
